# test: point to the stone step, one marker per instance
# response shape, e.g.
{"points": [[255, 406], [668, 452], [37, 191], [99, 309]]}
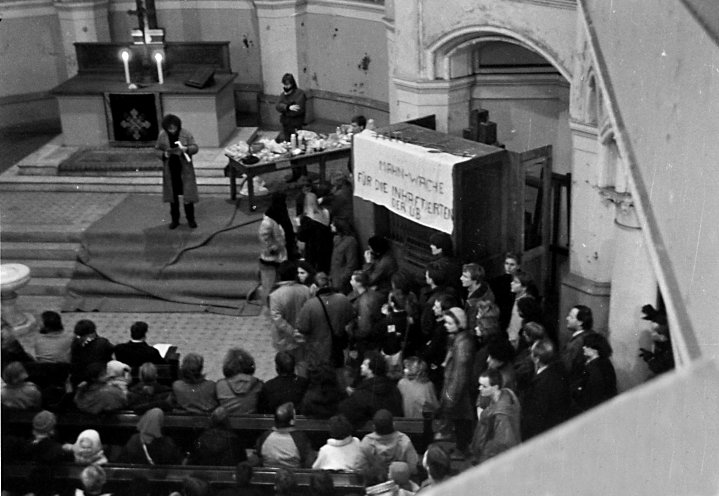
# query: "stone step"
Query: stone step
{"points": [[46, 286], [193, 287], [219, 187], [47, 268], [212, 273], [31, 234], [38, 172], [39, 251]]}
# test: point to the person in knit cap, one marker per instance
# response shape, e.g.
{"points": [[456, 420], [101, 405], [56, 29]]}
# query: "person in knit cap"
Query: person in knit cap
{"points": [[17, 392], [456, 409], [386, 445], [43, 452], [87, 450], [342, 451], [44, 449]]}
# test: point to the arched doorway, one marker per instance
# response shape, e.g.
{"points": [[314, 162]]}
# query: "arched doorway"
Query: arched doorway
{"points": [[526, 94]]}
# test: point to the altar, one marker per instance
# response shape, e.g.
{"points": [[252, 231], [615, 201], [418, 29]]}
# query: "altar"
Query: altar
{"points": [[98, 107]]}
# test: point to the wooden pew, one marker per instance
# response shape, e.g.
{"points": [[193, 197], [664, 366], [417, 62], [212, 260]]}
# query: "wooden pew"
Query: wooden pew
{"points": [[116, 428], [167, 478]]}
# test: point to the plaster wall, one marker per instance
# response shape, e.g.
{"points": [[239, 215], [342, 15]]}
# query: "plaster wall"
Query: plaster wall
{"points": [[346, 55], [633, 285], [32, 55], [661, 72], [529, 116], [591, 251]]}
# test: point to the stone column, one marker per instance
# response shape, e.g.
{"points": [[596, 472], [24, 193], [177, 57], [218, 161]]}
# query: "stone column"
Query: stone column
{"points": [[278, 30], [81, 21], [633, 285], [591, 250], [447, 100]]}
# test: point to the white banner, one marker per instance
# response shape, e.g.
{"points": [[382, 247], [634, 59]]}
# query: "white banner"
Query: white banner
{"points": [[410, 180]]}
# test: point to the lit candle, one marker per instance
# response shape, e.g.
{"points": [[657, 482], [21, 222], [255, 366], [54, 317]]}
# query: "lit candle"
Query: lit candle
{"points": [[158, 59], [126, 62]]}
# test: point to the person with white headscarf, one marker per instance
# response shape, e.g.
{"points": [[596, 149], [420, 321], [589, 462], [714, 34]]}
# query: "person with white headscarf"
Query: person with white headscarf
{"points": [[87, 449]]}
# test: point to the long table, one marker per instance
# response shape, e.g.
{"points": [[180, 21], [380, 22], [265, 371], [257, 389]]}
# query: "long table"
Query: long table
{"points": [[237, 168]]}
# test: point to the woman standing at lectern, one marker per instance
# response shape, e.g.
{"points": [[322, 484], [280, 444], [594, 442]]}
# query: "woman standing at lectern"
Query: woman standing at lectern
{"points": [[178, 174]]}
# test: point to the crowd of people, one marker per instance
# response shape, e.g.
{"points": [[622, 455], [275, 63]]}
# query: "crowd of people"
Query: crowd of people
{"points": [[354, 344], [357, 340]]}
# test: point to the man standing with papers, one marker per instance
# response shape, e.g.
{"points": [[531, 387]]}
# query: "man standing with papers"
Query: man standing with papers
{"points": [[136, 351]]}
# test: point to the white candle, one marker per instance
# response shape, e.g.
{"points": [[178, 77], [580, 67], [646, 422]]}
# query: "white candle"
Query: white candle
{"points": [[126, 62], [158, 59]]}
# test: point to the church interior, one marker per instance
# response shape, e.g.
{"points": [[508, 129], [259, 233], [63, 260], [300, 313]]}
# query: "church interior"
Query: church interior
{"points": [[607, 110]]}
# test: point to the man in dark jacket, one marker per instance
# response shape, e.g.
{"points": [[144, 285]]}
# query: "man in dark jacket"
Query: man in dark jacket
{"points": [[284, 446], [364, 329], [136, 351], [501, 287], [87, 348], [218, 445], [580, 323], [285, 304], [286, 387], [322, 321], [546, 401], [374, 392], [473, 280], [442, 248], [456, 409], [498, 428]]}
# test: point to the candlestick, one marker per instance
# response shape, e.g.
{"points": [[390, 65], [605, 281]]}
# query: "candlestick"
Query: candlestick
{"points": [[125, 61], [158, 59]]}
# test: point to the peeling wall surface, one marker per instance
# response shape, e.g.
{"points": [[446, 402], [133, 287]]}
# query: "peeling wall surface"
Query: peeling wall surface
{"points": [[346, 56], [663, 77]]}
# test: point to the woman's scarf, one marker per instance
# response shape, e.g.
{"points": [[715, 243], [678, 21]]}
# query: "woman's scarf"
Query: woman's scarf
{"points": [[88, 448], [150, 425]]}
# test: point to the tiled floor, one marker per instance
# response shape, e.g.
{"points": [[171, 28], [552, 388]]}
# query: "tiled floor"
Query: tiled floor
{"points": [[210, 335], [55, 210]]}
